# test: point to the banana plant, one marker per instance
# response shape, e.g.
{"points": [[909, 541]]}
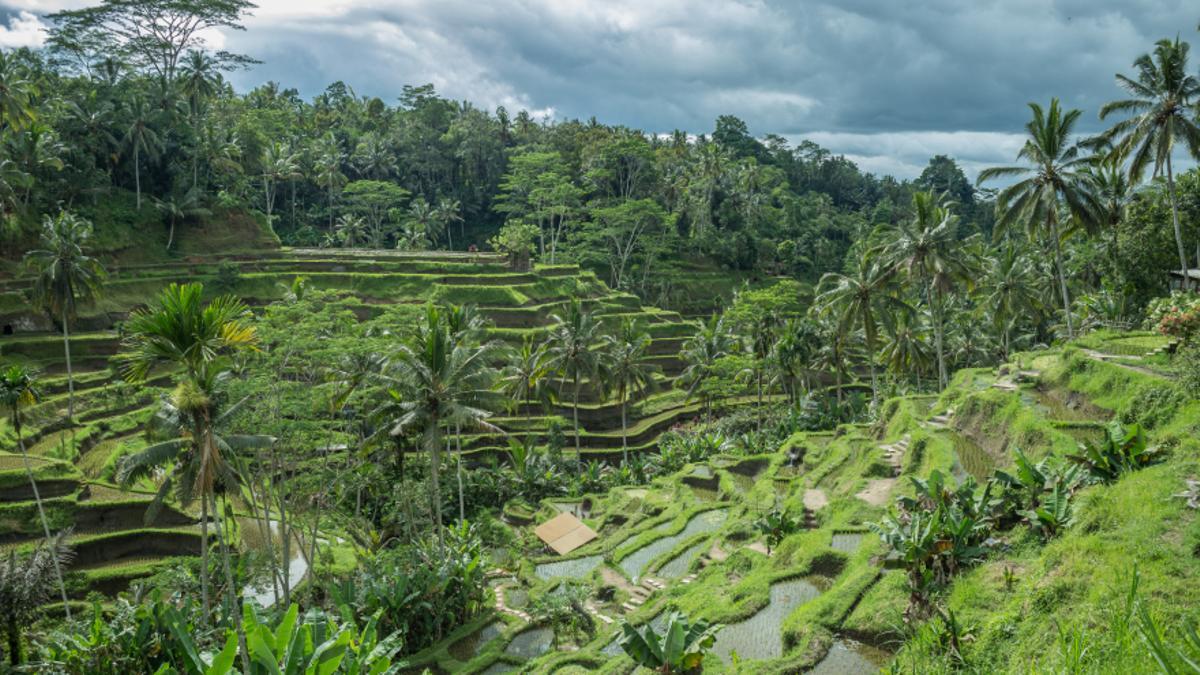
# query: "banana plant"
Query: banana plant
{"points": [[1054, 513], [1123, 450], [679, 650]]}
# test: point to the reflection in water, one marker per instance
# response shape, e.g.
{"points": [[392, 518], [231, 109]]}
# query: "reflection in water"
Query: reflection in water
{"points": [[531, 643], [574, 569], [635, 563], [846, 542], [847, 657], [675, 567], [466, 648], [972, 458], [759, 636]]}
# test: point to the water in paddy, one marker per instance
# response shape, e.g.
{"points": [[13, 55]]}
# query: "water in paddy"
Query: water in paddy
{"points": [[847, 657], [759, 636], [531, 643], [704, 494], [635, 564], [972, 458], [497, 668], [703, 471], [744, 483], [846, 542], [578, 567], [675, 567], [466, 648], [1084, 434], [573, 508], [1055, 408]]}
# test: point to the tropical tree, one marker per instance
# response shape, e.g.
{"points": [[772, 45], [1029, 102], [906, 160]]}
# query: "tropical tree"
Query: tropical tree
{"points": [[18, 389], [25, 583], [329, 158], [466, 326], [442, 380], [679, 650], [929, 251], [627, 369], [1162, 109], [711, 342], [906, 346], [141, 137], [445, 214], [1009, 292], [66, 277], [350, 228], [862, 298], [176, 207], [279, 163], [178, 328], [16, 91], [1114, 192], [523, 378], [571, 348], [1055, 172]]}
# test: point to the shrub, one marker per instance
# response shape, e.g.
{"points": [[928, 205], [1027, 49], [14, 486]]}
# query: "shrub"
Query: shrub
{"points": [[1177, 315]]}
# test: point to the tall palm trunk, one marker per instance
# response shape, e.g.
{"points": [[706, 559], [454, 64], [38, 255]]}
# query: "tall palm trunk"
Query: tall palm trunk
{"points": [[70, 374], [1062, 276], [760, 399], [462, 509], [1183, 264], [624, 430], [575, 421], [204, 556], [137, 174], [435, 485], [230, 590], [939, 331], [37, 498]]}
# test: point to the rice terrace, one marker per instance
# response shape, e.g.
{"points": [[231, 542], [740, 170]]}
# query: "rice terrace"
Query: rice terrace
{"points": [[307, 367]]}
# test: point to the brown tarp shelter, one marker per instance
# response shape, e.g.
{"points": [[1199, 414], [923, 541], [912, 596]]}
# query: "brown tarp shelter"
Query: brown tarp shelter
{"points": [[564, 533]]}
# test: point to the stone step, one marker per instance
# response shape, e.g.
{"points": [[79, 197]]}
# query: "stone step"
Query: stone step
{"points": [[629, 608], [637, 601]]}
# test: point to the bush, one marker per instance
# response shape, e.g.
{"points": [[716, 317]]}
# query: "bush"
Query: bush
{"points": [[1187, 367], [1177, 315]]}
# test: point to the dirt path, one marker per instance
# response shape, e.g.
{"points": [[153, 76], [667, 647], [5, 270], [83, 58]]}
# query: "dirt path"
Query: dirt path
{"points": [[1110, 358], [877, 492], [815, 500]]}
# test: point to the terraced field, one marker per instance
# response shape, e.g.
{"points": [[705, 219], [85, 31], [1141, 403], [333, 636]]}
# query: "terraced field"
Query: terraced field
{"points": [[76, 462]]}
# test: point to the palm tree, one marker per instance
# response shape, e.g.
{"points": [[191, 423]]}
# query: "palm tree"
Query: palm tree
{"points": [[443, 380], [199, 81], [571, 350], [446, 213], [279, 164], [178, 328], [1010, 292], [350, 228], [524, 375], [864, 297], [141, 137], [792, 354], [1055, 172], [929, 250], [710, 343], [906, 347], [24, 588], [18, 389], [15, 93], [329, 158], [1162, 107], [1114, 192], [627, 369], [179, 206], [467, 327], [66, 276]]}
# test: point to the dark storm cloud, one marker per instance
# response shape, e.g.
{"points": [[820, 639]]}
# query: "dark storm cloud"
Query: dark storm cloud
{"points": [[886, 82]]}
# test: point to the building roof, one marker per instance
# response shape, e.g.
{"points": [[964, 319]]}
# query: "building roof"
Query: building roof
{"points": [[564, 533], [1193, 273]]}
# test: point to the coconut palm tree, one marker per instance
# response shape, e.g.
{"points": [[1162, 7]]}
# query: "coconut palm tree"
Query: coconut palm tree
{"points": [[466, 326], [446, 213], [329, 159], [177, 206], [141, 137], [18, 389], [279, 163], [199, 81], [442, 380], [866, 297], [350, 228], [930, 252], [1162, 109], [25, 583], [1055, 172], [178, 328], [906, 346], [571, 350], [16, 91], [711, 342], [1114, 192], [627, 369], [66, 277], [1009, 292], [523, 378]]}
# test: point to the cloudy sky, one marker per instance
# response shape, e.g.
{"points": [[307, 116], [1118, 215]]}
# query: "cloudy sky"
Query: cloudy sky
{"points": [[887, 83]]}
